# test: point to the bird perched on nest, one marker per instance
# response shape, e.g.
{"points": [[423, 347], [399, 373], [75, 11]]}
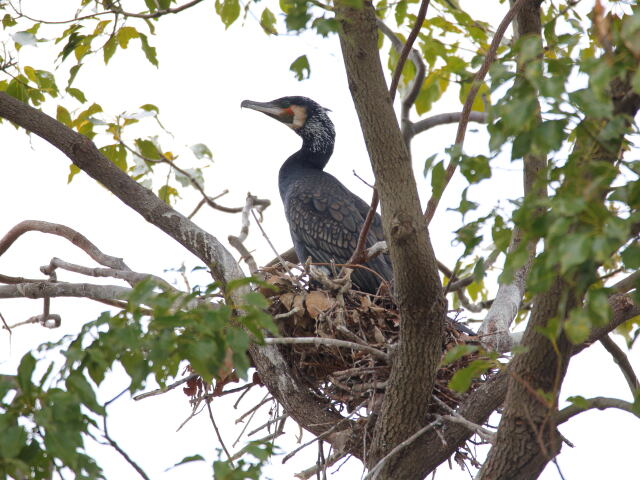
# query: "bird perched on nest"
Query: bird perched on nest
{"points": [[324, 217]]}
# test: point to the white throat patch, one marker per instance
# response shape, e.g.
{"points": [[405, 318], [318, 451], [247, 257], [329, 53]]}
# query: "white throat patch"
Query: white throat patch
{"points": [[299, 116]]}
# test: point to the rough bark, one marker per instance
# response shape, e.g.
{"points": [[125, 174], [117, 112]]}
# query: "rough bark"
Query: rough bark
{"points": [[417, 285]]}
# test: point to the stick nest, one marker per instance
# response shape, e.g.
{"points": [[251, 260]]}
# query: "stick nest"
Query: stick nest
{"points": [[350, 377]]}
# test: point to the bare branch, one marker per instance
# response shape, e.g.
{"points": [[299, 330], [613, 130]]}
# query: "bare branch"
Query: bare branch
{"points": [[63, 231], [113, 443], [445, 118], [373, 473], [601, 403], [330, 342], [466, 109], [112, 11], [407, 48], [237, 242], [129, 276], [215, 427], [359, 254], [623, 362], [159, 391], [63, 289]]}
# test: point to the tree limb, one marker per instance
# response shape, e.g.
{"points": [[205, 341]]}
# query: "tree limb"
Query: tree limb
{"points": [[601, 403], [466, 109], [623, 362]]}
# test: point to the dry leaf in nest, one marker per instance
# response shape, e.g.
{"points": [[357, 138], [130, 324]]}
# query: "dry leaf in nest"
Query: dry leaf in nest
{"points": [[318, 302]]}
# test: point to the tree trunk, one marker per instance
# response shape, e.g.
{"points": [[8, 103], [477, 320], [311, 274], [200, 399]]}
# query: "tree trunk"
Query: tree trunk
{"points": [[417, 286]]}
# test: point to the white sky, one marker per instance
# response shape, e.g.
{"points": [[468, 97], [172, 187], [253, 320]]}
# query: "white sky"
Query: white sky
{"points": [[204, 74]]}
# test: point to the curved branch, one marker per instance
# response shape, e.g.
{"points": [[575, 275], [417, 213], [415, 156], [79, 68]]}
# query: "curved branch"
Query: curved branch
{"points": [[466, 109], [601, 403], [445, 118], [422, 12], [623, 362], [63, 231]]}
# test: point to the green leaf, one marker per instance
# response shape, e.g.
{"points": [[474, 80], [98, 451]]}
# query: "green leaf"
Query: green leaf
{"points": [[166, 192], [578, 326], [200, 150], [73, 171], [437, 179], [300, 67], [481, 97], [268, 22], [457, 353], [25, 370], [63, 116], [189, 459], [148, 149], [228, 10], [8, 21], [461, 380], [77, 94], [125, 34], [79, 385], [109, 49], [13, 438], [117, 154], [475, 168], [631, 256], [574, 250], [401, 11], [149, 51]]}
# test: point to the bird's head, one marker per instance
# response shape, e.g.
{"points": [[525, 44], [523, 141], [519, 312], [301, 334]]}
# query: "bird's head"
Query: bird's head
{"points": [[294, 112]]}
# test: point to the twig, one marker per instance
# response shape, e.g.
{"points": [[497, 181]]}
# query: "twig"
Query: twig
{"points": [[444, 118], [238, 242], [113, 11], [315, 469], [455, 417], [288, 314], [168, 388], [112, 442], [63, 231], [332, 342], [623, 362], [601, 403], [251, 412], [280, 259], [468, 280], [359, 255], [215, 427], [266, 424], [373, 473], [129, 276], [466, 109], [323, 434], [203, 201], [5, 324], [407, 48]]}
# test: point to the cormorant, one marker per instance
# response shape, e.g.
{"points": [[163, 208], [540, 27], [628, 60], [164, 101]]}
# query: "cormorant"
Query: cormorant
{"points": [[324, 217]]}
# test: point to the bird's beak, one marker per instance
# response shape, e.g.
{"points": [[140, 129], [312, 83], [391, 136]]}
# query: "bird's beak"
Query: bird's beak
{"points": [[285, 115]]}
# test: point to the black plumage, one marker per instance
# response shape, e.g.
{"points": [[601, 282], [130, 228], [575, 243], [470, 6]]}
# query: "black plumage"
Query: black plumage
{"points": [[324, 217]]}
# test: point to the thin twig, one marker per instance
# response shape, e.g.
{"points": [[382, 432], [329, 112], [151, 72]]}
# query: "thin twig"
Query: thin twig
{"points": [[168, 388], [623, 362], [112, 442], [323, 434], [373, 473], [407, 48], [466, 109], [601, 403], [358, 255], [215, 427]]}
